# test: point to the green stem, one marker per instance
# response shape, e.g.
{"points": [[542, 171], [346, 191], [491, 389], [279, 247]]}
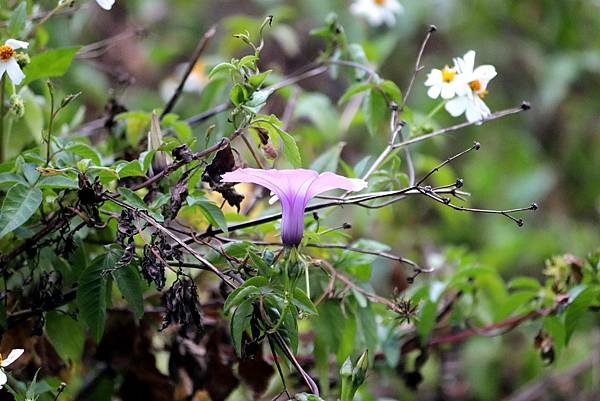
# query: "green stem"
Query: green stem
{"points": [[434, 111], [2, 113], [50, 126]]}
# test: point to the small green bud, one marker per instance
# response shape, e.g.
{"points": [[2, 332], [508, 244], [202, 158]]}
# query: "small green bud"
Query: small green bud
{"points": [[22, 59], [17, 107], [346, 369], [359, 373]]}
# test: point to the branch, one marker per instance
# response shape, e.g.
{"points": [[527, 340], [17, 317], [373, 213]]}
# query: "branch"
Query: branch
{"points": [[524, 106], [192, 63], [418, 66]]}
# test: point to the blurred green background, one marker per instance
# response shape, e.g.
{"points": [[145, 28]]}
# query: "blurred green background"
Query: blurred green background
{"points": [[545, 51]]}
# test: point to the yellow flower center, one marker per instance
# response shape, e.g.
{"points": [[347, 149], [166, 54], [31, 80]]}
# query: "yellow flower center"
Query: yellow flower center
{"points": [[379, 2], [448, 74], [6, 52], [1, 359], [477, 88]]}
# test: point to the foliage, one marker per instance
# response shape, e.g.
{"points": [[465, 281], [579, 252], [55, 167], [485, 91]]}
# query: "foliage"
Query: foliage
{"points": [[131, 270]]}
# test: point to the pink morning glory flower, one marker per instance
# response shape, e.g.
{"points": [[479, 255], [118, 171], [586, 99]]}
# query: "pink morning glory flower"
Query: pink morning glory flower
{"points": [[294, 188]]}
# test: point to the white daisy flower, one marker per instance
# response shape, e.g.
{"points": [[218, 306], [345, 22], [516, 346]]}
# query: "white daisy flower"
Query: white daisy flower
{"points": [[377, 12], [12, 356], [471, 104], [106, 4], [446, 82], [8, 63]]}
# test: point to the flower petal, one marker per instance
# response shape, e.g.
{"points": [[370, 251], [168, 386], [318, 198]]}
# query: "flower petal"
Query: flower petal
{"points": [[448, 91], [435, 77], [328, 181], [434, 91], [106, 4], [3, 378], [457, 106], [468, 62], [14, 71], [485, 73], [17, 44], [13, 356]]}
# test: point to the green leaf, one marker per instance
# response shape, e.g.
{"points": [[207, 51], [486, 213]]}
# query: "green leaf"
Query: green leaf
{"points": [[290, 149], [239, 295], [578, 307], [329, 160], [132, 198], [130, 284], [58, 181], [354, 90], [19, 205], [254, 283], [303, 302], [66, 335], [221, 68], [240, 321], [91, 293], [391, 90], [17, 20], [427, 319], [238, 94], [130, 169], [212, 212], [85, 152], [375, 109], [51, 63]]}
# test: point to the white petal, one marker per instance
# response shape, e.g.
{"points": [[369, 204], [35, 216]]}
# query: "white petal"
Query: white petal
{"points": [[434, 77], [17, 44], [461, 87], [2, 68], [485, 73], [484, 110], [457, 106], [447, 91], [13, 356], [3, 378], [14, 71], [473, 114], [434, 91], [106, 4], [395, 6], [468, 62]]}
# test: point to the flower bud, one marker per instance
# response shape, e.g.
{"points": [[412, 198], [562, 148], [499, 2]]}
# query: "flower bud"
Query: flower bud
{"points": [[359, 373], [22, 59], [17, 107]]}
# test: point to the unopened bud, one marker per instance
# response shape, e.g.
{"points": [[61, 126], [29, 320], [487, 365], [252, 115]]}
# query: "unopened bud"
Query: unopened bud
{"points": [[22, 59], [359, 373], [346, 369], [17, 107]]}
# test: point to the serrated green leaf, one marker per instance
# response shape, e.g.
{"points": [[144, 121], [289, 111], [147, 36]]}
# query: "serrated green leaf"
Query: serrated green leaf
{"points": [[354, 90], [129, 283], [66, 335], [212, 212], [130, 169], [375, 109], [51, 63], [85, 152], [91, 293], [240, 321], [19, 205], [58, 181], [392, 91], [17, 20], [290, 149], [240, 294], [132, 198], [303, 302]]}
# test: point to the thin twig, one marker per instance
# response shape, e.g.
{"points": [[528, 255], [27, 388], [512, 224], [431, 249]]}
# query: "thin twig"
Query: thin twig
{"points": [[192, 63], [499, 114], [418, 66]]}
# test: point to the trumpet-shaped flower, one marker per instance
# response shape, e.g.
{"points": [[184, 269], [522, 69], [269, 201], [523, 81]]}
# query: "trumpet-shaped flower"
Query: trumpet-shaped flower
{"points": [[377, 12], [472, 103], [106, 4], [8, 63], [294, 188], [446, 82], [12, 356]]}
